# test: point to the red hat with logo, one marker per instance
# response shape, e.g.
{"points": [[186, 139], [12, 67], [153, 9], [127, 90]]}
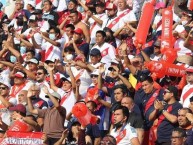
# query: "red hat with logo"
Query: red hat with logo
{"points": [[78, 31], [110, 6]]}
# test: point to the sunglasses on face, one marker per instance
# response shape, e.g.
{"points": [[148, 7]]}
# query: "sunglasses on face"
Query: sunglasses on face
{"points": [[3, 88], [93, 76], [39, 73]]}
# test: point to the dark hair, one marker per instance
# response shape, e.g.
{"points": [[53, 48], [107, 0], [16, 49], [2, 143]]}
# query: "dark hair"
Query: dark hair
{"points": [[122, 87], [187, 109], [56, 30], [101, 32], [124, 109], [31, 51], [93, 103], [48, 2], [74, 11], [70, 26], [42, 68], [147, 78], [113, 139], [69, 49], [181, 131]]}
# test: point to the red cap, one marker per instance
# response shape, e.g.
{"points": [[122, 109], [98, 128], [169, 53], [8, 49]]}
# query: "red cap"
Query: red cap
{"points": [[78, 31], [110, 6], [20, 108], [19, 75], [189, 69]]}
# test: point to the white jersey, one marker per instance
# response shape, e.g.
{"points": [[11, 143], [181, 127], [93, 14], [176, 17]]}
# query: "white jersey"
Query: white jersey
{"points": [[125, 136], [107, 22], [69, 100], [85, 80], [53, 52], [129, 17], [187, 93], [15, 90], [107, 52], [94, 26], [181, 50]]}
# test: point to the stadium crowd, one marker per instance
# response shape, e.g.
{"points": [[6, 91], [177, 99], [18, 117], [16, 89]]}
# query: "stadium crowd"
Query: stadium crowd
{"points": [[56, 54]]}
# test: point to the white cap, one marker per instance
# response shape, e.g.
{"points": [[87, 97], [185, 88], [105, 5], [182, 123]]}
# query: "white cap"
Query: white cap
{"points": [[33, 60], [32, 3], [5, 81], [95, 72]]}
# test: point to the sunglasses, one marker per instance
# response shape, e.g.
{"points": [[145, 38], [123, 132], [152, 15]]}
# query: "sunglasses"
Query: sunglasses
{"points": [[39, 73], [3, 88], [94, 76]]}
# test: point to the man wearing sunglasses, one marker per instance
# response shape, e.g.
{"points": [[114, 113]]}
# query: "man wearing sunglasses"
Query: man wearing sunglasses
{"points": [[166, 111], [187, 91]]}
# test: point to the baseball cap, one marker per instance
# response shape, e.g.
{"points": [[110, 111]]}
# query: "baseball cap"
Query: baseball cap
{"points": [[32, 3], [55, 95], [95, 72], [189, 69], [159, 5], [95, 52], [33, 18], [66, 79], [5, 81], [19, 107], [33, 60], [99, 4], [173, 90], [78, 31], [110, 6], [20, 74], [52, 60]]}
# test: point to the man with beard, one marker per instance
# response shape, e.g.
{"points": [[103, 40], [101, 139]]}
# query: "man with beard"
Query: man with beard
{"points": [[166, 112], [123, 132], [79, 45]]}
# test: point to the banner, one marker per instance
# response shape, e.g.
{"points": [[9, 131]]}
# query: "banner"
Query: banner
{"points": [[22, 138], [167, 22]]}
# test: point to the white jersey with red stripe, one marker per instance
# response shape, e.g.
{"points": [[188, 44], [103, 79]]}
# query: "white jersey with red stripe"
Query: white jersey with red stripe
{"points": [[26, 88], [185, 97], [181, 50], [107, 22], [69, 101], [125, 136], [129, 17], [53, 52], [107, 52], [94, 26], [37, 36]]}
